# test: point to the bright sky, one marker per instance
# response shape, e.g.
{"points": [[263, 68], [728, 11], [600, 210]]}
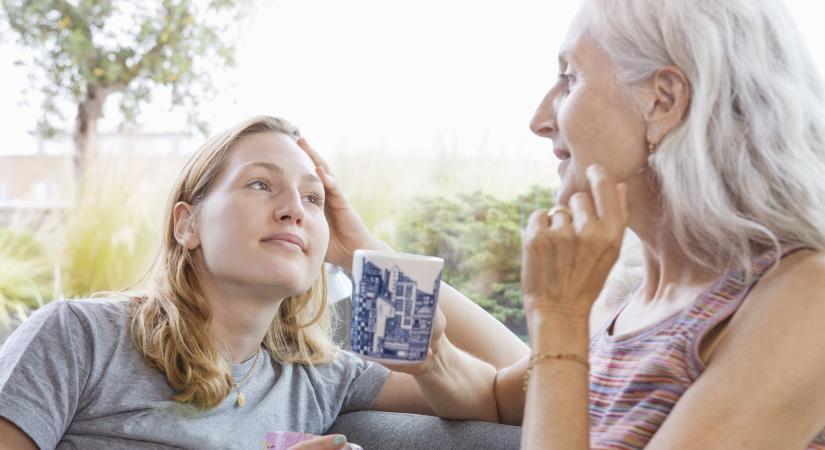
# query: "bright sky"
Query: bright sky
{"points": [[408, 77]]}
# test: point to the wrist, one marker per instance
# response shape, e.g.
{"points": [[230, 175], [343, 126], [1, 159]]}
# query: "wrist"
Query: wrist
{"points": [[563, 308], [437, 362], [558, 333]]}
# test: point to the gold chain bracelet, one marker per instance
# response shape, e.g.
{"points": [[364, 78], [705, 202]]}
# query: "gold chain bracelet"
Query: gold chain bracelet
{"points": [[535, 359]]}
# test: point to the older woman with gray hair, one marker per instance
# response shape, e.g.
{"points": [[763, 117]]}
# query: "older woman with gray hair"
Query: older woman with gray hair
{"points": [[700, 126]]}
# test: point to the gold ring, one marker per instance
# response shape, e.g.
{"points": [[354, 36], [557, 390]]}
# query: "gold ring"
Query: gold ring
{"points": [[559, 209]]}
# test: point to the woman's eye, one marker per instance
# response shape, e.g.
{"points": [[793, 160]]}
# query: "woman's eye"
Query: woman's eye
{"points": [[260, 185], [314, 199]]}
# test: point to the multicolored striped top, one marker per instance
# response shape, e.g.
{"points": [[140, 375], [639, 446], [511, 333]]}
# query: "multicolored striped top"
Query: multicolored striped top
{"points": [[637, 378]]}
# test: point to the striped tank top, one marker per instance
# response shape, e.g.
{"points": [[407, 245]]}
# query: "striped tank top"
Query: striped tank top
{"points": [[637, 378]]}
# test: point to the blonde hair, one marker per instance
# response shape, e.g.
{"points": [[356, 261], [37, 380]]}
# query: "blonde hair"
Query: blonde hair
{"points": [[170, 323], [744, 172]]}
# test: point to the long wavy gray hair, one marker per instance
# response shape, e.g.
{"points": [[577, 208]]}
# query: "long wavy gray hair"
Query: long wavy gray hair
{"points": [[745, 171]]}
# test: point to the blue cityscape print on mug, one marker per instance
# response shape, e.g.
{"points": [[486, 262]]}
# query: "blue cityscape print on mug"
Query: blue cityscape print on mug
{"points": [[408, 314]]}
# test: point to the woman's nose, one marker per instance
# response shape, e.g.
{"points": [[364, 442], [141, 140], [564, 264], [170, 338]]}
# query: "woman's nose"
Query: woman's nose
{"points": [[290, 209], [544, 119]]}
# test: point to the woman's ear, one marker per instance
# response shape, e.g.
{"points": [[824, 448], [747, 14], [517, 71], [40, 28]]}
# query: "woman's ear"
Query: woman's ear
{"points": [[666, 102], [186, 230]]}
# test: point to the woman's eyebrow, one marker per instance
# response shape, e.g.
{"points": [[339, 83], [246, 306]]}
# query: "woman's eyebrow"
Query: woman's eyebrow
{"points": [[272, 167]]}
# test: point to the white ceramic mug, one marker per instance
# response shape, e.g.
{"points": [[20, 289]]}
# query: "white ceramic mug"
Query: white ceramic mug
{"points": [[394, 305]]}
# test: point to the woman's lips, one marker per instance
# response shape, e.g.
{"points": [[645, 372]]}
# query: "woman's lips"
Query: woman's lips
{"points": [[280, 243]]}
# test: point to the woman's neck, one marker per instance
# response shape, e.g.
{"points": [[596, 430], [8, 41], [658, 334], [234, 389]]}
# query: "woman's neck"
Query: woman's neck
{"points": [[239, 320], [667, 269]]}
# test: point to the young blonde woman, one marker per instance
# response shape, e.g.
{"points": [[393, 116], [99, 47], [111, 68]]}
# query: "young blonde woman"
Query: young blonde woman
{"points": [[232, 342]]}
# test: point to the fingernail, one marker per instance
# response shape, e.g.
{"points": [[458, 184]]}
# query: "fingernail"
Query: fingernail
{"points": [[592, 170], [339, 441]]}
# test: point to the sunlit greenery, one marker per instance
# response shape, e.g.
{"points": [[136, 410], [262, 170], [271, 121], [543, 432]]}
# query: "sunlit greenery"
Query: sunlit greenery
{"points": [[112, 234], [479, 238], [25, 274]]}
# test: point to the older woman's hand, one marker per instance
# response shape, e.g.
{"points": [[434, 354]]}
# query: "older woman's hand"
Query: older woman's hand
{"points": [[347, 231], [568, 254]]}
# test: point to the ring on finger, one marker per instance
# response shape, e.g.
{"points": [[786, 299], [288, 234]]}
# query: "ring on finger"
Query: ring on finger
{"points": [[559, 209]]}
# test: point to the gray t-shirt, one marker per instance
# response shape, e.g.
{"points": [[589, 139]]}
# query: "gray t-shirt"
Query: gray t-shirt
{"points": [[71, 377]]}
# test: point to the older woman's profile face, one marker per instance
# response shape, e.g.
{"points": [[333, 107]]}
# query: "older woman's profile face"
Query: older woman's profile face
{"points": [[588, 116], [262, 225]]}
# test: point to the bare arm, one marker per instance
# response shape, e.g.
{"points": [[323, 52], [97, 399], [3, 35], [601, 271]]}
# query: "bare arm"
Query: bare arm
{"points": [[454, 385], [13, 438], [475, 331]]}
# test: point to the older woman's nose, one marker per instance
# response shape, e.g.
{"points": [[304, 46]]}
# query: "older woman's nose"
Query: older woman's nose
{"points": [[544, 119]]}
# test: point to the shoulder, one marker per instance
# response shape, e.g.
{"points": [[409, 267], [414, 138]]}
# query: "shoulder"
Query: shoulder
{"points": [[89, 318], [785, 309], [98, 309], [796, 284]]}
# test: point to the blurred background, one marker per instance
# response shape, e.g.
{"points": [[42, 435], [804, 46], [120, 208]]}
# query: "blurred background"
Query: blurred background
{"points": [[422, 108]]}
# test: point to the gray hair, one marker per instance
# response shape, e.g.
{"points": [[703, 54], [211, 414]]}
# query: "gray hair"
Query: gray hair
{"points": [[745, 171]]}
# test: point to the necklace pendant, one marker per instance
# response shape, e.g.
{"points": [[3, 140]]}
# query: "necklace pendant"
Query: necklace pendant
{"points": [[241, 400]]}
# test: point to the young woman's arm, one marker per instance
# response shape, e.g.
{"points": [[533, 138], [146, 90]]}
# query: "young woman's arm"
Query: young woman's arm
{"points": [[13, 438], [478, 333], [453, 385]]}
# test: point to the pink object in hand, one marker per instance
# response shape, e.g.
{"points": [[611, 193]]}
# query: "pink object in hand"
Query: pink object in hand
{"points": [[283, 440]]}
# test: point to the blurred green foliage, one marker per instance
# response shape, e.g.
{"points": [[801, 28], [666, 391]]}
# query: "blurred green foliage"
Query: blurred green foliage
{"points": [[479, 238]]}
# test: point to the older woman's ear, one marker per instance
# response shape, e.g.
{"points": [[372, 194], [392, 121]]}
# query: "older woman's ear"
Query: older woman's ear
{"points": [[666, 102], [186, 231]]}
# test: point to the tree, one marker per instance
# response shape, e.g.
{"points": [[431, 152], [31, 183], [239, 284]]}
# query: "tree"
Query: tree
{"points": [[83, 51]]}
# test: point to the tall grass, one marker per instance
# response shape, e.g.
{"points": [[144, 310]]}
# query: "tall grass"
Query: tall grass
{"points": [[112, 234], [25, 274]]}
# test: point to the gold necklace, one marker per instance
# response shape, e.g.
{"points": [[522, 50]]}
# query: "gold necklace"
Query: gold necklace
{"points": [[241, 399]]}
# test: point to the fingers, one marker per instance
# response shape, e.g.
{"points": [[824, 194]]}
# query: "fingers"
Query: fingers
{"points": [[622, 188], [605, 194], [537, 221], [331, 442], [329, 181], [584, 211], [314, 155]]}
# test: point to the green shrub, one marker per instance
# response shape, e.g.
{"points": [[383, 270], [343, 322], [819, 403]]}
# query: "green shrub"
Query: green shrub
{"points": [[479, 238]]}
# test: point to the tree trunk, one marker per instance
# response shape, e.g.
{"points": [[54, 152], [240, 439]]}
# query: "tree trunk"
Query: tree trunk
{"points": [[89, 112]]}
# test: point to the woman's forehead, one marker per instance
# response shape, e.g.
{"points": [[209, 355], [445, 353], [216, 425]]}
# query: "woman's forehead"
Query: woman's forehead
{"points": [[274, 147]]}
